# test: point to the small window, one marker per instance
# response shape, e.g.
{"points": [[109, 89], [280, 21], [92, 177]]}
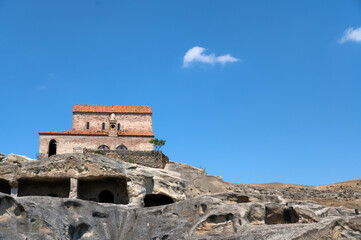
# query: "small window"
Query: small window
{"points": [[87, 125], [118, 126], [103, 126]]}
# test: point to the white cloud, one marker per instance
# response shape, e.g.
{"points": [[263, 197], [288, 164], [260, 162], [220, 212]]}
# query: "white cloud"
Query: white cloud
{"points": [[351, 35], [196, 54]]}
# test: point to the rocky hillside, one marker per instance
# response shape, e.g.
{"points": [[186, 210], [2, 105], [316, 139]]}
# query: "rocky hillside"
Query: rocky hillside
{"points": [[177, 202]]}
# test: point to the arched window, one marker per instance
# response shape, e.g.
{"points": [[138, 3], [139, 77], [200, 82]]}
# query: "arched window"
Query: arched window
{"points": [[103, 126], [122, 147], [103, 147], [87, 125], [118, 126], [106, 197], [52, 147]]}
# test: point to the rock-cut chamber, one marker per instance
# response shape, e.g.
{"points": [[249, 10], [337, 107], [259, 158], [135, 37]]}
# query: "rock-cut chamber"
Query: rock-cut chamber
{"points": [[44, 187], [104, 190]]}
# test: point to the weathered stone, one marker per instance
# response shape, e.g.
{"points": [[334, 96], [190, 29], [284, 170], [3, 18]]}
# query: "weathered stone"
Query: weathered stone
{"points": [[274, 214], [192, 204], [2, 156], [256, 214], [13, 158]]}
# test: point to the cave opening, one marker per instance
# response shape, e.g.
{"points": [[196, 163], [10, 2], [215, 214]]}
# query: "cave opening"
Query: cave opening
{"points": [[5, 186], [44, 187], [152, 200]]}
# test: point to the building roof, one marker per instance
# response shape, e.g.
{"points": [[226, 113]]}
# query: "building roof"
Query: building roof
{"points": [[86, 108], [98, 133]]}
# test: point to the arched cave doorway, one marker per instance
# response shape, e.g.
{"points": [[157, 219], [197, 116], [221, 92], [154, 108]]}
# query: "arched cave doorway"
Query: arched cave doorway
{"points": [[122, 147], [103, 147], [52, 147], [105, 190], [106, 197], [152, 200]]}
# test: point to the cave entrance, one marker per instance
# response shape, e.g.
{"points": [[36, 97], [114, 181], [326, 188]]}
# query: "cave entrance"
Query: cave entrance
{"points": [[290, 215], [52, 147], [152, 200], [44, 187], [104, 190], [5, 186], [106, 197]]}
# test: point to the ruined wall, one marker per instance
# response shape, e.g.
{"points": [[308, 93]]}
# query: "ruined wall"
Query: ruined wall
{"points": [[71, 143], [155, 159], [128, 122]]}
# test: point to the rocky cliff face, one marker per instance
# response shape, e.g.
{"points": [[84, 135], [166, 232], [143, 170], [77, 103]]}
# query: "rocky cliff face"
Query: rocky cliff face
{"points": [[177, 202]]}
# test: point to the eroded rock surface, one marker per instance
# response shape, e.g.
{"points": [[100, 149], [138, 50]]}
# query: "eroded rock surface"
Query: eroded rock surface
{"points": [[193, 205]]}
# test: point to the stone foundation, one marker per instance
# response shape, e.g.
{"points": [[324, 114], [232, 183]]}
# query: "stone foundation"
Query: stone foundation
{"points": [[154, 159]]}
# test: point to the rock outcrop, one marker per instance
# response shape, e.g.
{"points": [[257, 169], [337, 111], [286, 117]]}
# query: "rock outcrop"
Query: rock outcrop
{"points": [[177, 202]]}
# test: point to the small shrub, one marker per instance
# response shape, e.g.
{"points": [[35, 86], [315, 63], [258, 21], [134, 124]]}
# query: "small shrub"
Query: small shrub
{"points": [[203, 169]]}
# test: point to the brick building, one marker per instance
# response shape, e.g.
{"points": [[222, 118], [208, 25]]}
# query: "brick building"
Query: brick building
{"points": [[101, 127]]}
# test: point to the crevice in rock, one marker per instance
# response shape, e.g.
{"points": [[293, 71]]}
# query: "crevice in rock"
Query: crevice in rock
{"points": [[9, 205], [70, 204], [99, 215], [218, 224], [76, 232]]}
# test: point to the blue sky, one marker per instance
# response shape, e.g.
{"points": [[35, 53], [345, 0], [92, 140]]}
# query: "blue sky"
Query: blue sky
{"points": [[271, 94]]}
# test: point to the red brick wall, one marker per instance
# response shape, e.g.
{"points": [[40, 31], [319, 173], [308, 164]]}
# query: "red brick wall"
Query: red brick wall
{"points": [[69, 144], [128, 122]]}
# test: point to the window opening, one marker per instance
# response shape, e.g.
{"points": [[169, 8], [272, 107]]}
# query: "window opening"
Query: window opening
{"points": [[104, 147], [52, 147], [122, 147]]}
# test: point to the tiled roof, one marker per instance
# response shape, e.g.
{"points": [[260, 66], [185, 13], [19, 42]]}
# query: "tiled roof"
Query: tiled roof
{"points": [[97, 133], [111, 109]]}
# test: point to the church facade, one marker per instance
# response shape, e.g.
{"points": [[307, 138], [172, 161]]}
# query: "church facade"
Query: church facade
{"points": [[101, 127]]}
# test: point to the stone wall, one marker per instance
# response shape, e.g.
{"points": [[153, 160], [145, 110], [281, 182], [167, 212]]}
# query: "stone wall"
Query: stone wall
{"points": [[155, 159], [128, 122], [71, 143]]}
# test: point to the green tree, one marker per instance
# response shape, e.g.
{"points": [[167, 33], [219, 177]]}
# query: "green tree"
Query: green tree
{"points": [[158, 143]]}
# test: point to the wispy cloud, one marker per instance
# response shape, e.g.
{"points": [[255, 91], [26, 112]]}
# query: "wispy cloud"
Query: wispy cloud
{"points": [[351, 35], [197, 54]]}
